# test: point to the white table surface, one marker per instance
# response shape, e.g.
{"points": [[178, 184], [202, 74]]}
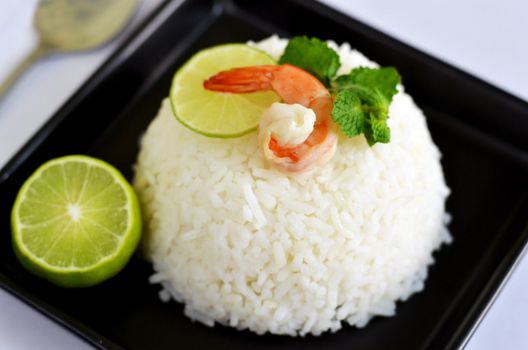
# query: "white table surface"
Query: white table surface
{"points": [[484, 37]]}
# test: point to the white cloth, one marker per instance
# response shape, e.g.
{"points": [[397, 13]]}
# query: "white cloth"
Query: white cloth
{"points": [[484, 37]]}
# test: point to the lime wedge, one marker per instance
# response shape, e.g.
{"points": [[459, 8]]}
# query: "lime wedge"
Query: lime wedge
{"points": [[76, 221], [218, 114]]}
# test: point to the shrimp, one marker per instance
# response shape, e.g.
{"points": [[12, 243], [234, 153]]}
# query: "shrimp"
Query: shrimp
{"points": [[294, 86]]}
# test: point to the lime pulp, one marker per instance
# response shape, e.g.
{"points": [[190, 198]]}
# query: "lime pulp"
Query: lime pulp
{"points": [[76, 221]]}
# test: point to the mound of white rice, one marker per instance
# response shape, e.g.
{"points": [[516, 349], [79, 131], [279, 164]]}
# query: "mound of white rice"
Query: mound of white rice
{"points": [[248, 246]]}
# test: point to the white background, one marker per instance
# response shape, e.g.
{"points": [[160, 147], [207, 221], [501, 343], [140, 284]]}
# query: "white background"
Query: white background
{"points": [[487, 38]]}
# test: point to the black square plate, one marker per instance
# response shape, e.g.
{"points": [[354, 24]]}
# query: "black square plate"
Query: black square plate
{"points": [[480, 130]]}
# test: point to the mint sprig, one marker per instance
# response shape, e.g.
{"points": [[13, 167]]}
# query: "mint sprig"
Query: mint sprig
{"points": [[361, 98]]}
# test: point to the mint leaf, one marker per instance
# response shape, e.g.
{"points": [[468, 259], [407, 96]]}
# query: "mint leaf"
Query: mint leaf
{"points": [[348, 113], [377, 129], [362, 100], [312, 55], [383, 79]]}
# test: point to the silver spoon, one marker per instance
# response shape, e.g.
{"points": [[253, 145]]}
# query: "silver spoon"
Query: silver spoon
{"points": [[73, 25]]}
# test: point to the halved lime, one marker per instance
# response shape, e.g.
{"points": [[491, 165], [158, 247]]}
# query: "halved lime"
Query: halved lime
{"points": [[218, 114], [76, 221]]}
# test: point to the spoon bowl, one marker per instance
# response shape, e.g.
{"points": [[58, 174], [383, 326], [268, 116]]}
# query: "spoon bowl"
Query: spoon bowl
{"points": [[73, 25]]}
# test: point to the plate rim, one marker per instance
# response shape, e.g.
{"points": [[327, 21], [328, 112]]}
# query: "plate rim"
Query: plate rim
{"points": [[494, 284]]}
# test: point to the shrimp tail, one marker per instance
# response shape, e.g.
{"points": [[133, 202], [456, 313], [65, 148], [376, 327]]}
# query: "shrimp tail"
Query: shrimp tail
{"points": [[242, 80]]}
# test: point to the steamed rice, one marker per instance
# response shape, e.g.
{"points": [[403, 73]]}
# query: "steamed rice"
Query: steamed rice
{"points": [[247, 246]]}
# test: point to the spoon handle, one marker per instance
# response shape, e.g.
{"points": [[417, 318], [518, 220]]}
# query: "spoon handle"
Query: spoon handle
{"points": [[40, 50]]}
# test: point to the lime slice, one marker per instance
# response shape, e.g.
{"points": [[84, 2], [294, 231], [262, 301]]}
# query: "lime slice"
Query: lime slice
{"points": [[76, 221], [218, 114]]}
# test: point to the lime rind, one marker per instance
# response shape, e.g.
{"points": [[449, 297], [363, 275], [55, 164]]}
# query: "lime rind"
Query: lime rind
{"points": [[251, 124], [105, 267]]}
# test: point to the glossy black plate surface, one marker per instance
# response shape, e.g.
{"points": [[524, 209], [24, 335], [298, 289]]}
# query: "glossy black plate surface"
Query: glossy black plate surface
{"points": [[480, 130]]}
